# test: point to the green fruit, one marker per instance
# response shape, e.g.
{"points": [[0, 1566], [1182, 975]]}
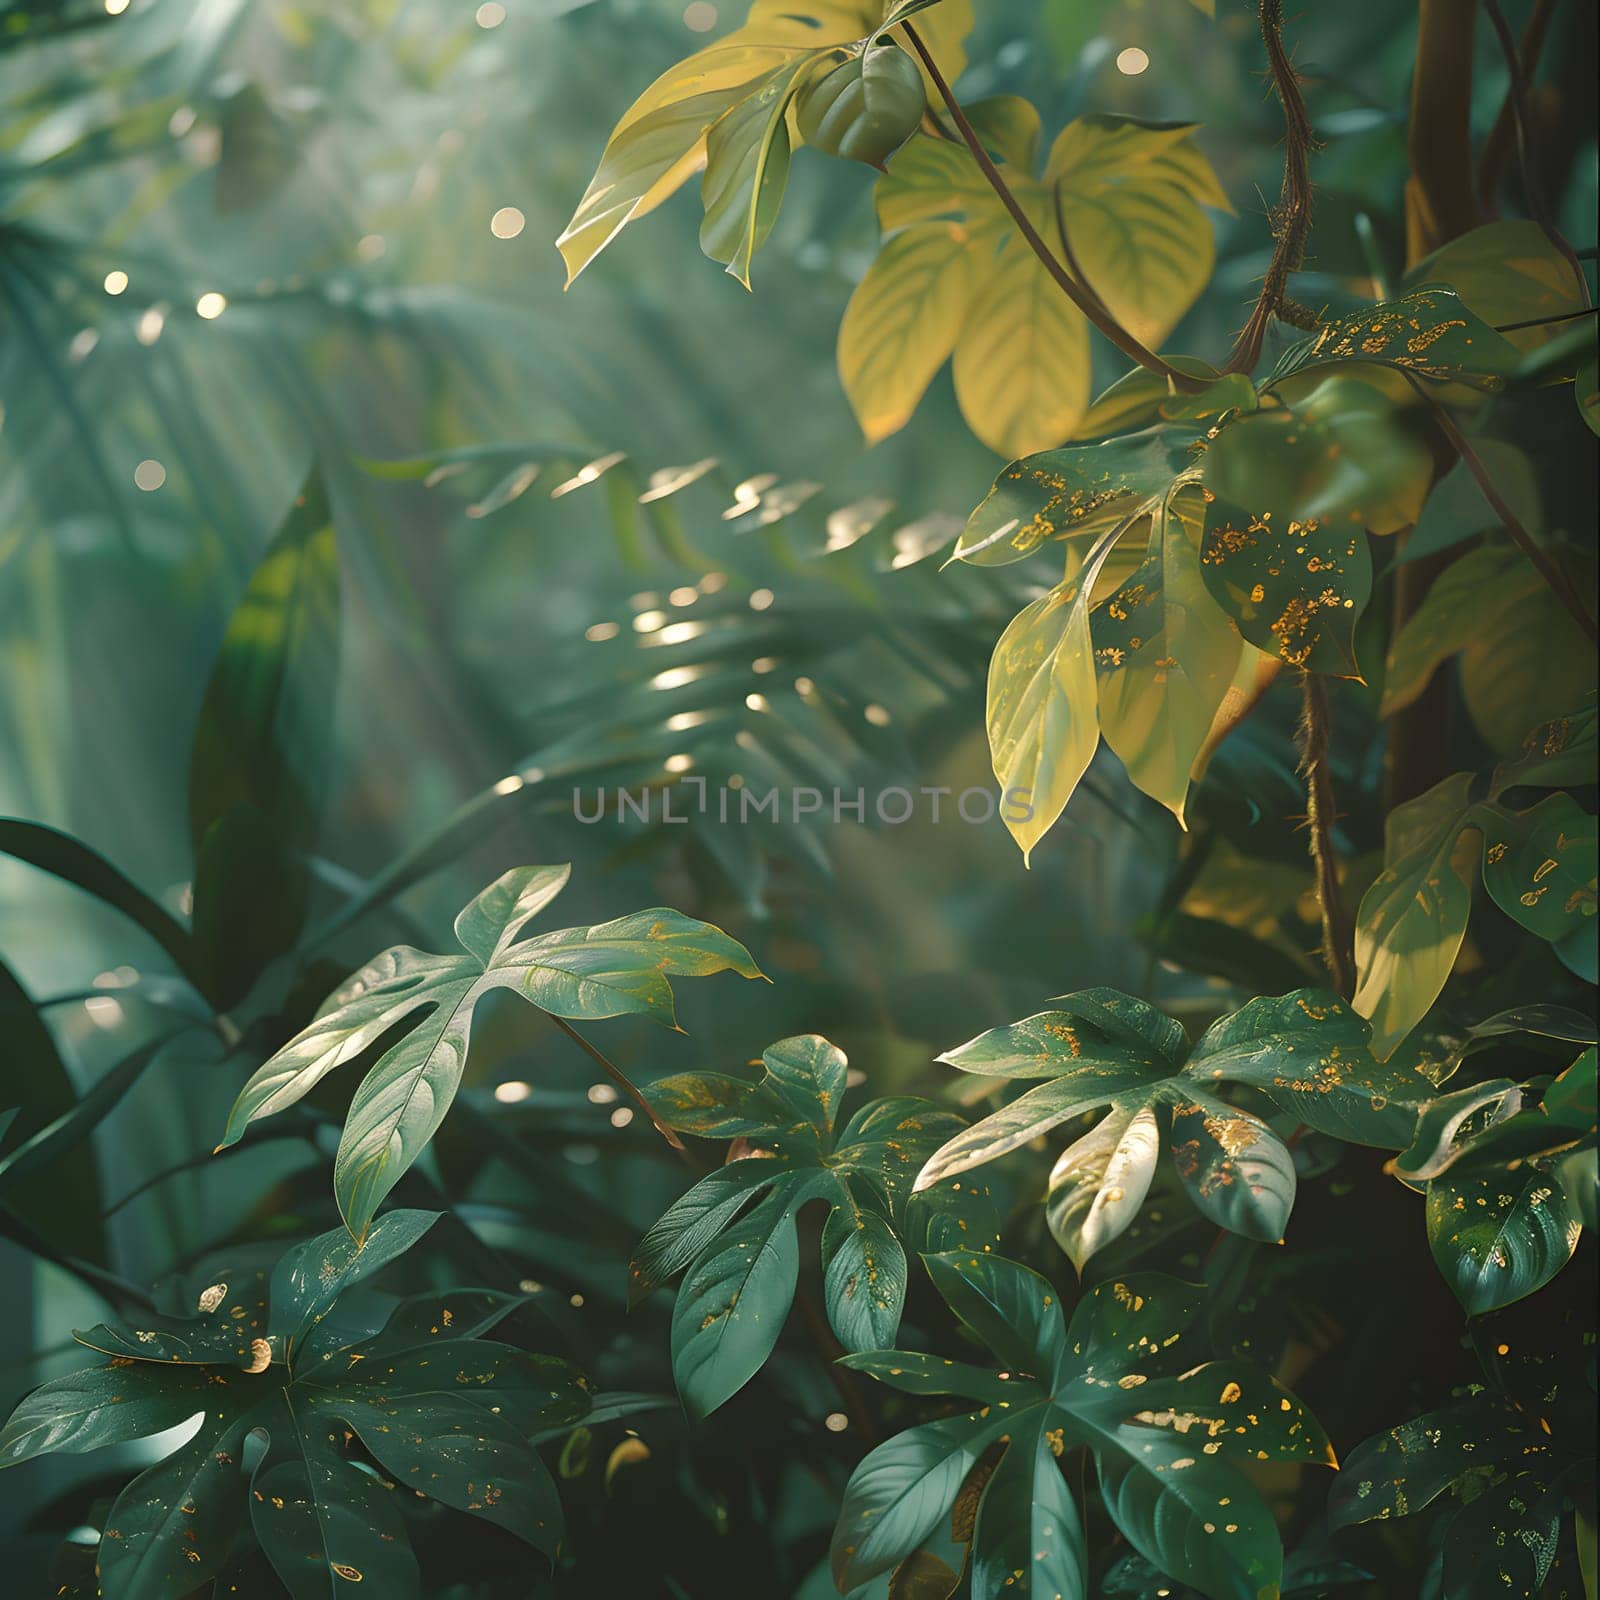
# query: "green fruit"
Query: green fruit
{"points": [[866, 108]]}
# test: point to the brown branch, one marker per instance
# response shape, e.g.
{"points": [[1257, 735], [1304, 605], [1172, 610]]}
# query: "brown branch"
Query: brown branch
{"points": [[1315, 765], [1084, 299], [1291, 217], [1503, 135], [626, 1085], [1440, 203], [1532, 189], [1560, 584]]}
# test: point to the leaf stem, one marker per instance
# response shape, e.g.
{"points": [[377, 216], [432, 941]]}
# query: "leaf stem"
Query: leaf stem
{"points": [[1316, 765], [1504, 134], [624, 1083], [1532, 189], [1083, 298], [1560, 585], [1291, 217]]}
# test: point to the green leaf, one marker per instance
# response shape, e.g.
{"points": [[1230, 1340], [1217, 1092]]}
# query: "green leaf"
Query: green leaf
{"points": [[175, 1522], [1021, 361], [1190, 1517], [1460, 605], [262, 753], [265, 729], [664, 136], [734, 1302], [492, 920], [477, 1464], [1448, 1125], [1530, 660], [1028, 1538], [1411, 922], [1507, 272], [1290, 493], [1306, 1050], [74, 862], [100, 1406], [900, 1493], [1496, 1460], [864, 1278], [65, 1199], [1076, 491], [1456, 510], [1498, 1236], [450, 1418], [693, 1221], [1539, 868], [1041, 711], [660, 141], [1110, 1382], [310, 1277], [1310, 1053], [866, 108], [1428, 331], [741, 1264], [747, 165], [1165, 654], [1098, 1183], [42, 1150], [613, 969], [1507, 1544], [1014, 1311], [1027, 1118], [1236, 1169]]}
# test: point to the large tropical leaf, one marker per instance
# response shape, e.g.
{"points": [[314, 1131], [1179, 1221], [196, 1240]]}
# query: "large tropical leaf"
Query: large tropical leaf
{"points": [[1120, 1381], [344, 1424], [1308, 1052], [733, 1234], [613, 969], [1128, 195]]}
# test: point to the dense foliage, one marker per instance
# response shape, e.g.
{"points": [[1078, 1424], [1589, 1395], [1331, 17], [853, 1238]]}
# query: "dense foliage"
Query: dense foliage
{"points": [[1260, 1263]]}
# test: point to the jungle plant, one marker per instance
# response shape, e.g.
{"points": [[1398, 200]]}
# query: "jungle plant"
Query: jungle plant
{"points": [[1309, 614]]}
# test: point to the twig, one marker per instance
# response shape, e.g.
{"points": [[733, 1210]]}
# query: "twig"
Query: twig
{"points": [[1560, 585], [625, 1084], [1291, 217], [1084, 299], [1545, 322], [1532, 190], [1502, 136], [1315, 765]]}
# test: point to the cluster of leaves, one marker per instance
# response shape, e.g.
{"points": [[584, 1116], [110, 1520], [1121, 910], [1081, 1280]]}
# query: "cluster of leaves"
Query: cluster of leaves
{"points": [[312, 1432], [1213, 540], [613, 969], [733, 1233]]}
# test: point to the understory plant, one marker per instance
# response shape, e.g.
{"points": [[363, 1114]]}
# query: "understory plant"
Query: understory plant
{"points": [[1272, 1279]]}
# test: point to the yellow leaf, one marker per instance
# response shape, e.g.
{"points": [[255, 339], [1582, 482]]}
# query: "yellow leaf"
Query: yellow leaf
{"points": [[1022, 359], [902, 322], [1130, 199], [1042, 719], [660, 140]]}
